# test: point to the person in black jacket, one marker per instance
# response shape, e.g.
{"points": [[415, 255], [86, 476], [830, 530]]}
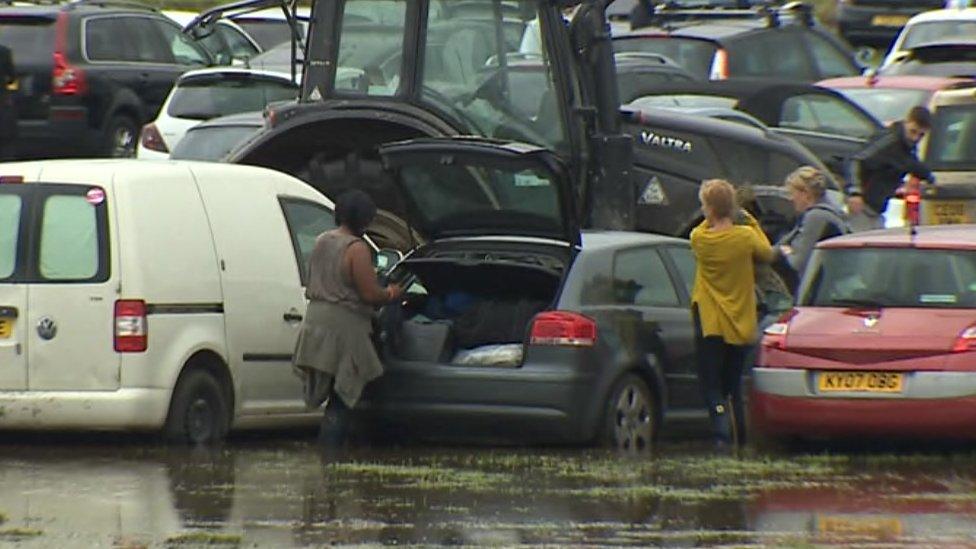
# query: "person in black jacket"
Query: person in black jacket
{"points": [[8, 116], [878, 169]]}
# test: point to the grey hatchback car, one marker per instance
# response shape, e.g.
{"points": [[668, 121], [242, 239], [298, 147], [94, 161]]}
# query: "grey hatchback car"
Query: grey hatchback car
{"points": [[516, 324]]}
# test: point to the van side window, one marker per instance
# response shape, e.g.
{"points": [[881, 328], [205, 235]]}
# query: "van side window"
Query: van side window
{"points": [[69, 239], [306, 221], [10, 207], [640, 278]]}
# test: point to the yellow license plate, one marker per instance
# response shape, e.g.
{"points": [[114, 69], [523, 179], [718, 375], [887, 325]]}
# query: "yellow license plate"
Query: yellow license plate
{"points": [[13, 86], [889, 20], [858, 526], [865, 382], [946, 212], [6, 327]]}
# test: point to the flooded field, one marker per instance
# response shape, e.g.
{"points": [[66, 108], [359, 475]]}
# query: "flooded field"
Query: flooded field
{"points": [[288, 493]]}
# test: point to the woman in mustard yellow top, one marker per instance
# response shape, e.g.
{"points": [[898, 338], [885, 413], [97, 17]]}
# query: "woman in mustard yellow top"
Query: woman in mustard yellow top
{"points": [[724, 303]]}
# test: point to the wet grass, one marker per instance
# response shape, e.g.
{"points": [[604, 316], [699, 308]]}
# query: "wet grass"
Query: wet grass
{"points": [[204, 538], [8, 533]]}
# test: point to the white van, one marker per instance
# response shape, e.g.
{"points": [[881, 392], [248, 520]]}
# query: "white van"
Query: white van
{"points": [[144, 295]]}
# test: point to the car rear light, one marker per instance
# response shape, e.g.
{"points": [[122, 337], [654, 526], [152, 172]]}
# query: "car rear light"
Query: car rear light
{"points": [[151, 139], [720, 65], [774, 336], [131, 327], [563, 328], [966, 340], [66, 79]]}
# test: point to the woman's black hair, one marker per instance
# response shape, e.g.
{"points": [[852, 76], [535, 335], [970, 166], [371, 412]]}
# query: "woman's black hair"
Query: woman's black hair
{"points": [[355, 209]]}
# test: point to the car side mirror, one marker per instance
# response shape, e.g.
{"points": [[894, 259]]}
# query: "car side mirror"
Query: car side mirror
{"points": [[385, 259]]}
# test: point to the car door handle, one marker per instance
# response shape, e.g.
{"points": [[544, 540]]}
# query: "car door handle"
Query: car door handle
{"points": [[292, 317]]}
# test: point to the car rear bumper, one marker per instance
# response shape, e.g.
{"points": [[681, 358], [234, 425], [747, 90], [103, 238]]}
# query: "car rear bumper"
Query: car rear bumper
{"points": [[932, 405], [67, 131], [124, 409]]}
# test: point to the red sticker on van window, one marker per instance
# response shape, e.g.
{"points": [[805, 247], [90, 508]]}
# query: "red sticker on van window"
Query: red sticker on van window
{"points": [[95, 196]]}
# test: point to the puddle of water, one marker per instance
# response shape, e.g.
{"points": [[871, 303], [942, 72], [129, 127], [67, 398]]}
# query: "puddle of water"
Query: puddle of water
{"points": [[287, 493]]}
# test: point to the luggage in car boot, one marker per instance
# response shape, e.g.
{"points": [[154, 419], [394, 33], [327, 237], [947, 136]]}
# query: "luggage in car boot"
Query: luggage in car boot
{"points": [[425, 340], [490, 322]]}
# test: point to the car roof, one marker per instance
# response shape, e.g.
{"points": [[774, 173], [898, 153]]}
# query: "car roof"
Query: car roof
{"points": [[911, 82], [953, 14], [53, 8], [269, 74], [601, 240], [961, 237], [250, 118]]}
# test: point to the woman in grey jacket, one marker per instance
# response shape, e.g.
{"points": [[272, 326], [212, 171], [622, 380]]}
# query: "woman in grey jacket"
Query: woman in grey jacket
{"points": [[818, 220]]}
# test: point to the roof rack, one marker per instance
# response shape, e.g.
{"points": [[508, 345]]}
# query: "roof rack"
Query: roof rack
{"points": [[669, 12], [110, 3]]}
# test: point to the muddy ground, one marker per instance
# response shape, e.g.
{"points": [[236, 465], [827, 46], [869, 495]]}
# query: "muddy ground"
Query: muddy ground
{"points": [[108, 491]]}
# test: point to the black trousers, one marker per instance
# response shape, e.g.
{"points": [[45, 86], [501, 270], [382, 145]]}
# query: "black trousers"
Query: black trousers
{"points": [[720, 366]]}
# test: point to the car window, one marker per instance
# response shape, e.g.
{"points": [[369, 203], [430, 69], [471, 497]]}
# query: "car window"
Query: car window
{"points": [[240, 47], [182, 49], [69, 249], [938, 31], [306, 221], [30, 39], [640, 278], [829, 60], [778, 52], [206, 98], [887, 104], [825, 114], [211, 143], [10, 207], [952, 140], [106, 39], [692, 54], [891, 277], [147, 43], [684, 260]]}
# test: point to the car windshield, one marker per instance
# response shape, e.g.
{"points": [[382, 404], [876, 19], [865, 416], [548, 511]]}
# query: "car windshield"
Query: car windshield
{"points": [[694, 55], [459, 198], [30, 39], [211, 143], [890, 277], [212, 97], [468, 57], [268, 33], [938, 32], [952, 140], [886, 104]]}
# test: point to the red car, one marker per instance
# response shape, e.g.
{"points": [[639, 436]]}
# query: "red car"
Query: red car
{"points": [[881, 343], [888, 98]]}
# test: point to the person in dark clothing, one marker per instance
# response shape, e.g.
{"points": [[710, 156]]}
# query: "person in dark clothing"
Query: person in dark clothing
{"points": [[8, 115], [878, 169], [818, 220]]}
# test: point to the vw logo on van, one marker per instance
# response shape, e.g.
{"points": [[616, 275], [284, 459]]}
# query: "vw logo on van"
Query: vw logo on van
{"points": [[46, 328]]}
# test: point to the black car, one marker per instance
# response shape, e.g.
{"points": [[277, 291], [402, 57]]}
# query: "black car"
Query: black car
{"points": [[725, 43], [825, 121], [90, 74], [951, 59], [513, 324], [876, 23], [677, 151]]}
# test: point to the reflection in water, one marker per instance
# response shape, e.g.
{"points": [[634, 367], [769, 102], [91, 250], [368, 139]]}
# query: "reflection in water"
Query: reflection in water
{"points": [[286, 493]]}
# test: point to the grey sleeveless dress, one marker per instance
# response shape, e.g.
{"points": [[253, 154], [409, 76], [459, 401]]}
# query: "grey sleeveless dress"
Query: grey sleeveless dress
{"points": [[334, 346]]}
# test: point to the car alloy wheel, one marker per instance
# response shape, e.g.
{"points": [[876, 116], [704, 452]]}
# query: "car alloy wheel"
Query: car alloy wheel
{"points": [[631, 415]]}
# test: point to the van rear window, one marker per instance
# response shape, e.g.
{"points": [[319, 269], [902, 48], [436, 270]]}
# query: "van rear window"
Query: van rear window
{"points": [[891, 277], [30, 39], [69, 239], [10, 208]]}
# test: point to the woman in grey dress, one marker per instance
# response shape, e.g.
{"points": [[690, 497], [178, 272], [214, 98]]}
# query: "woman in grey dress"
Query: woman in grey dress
{"points": [[335, 354]]}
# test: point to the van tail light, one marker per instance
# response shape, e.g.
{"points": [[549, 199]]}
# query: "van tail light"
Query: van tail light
{"points": [[774, 336], [966, 340], [131, 327], [151, 139], [720, 65], [563, 328], [66, 79]]}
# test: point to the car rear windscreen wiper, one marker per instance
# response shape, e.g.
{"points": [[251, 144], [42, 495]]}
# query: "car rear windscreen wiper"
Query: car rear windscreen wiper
{"points": [[853, 302]]}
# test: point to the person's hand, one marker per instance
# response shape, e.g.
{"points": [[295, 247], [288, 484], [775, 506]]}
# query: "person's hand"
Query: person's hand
{"points": [[394, 291], [785, 250], [855, 205]]}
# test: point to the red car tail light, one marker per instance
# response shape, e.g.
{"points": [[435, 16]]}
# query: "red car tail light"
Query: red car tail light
{"points": [[563, 328], [152, 140], [774, 336], [131, 327], [720, 65], [66, 79], [966, 340]]}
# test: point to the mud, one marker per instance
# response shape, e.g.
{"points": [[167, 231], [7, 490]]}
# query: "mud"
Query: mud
{"points": [[288, 492]]}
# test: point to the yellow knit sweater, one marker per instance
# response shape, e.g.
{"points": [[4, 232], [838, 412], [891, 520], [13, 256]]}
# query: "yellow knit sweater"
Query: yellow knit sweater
{"points": [[724, 288]]}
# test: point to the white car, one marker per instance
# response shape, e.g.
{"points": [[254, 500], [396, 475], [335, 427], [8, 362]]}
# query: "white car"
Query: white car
{"points": [[937, 26], [208, 93], [269, 26], [228, 43]]}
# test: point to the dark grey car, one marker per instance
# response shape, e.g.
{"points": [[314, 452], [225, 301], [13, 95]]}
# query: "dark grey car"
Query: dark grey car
{"points": [[515, 325]]}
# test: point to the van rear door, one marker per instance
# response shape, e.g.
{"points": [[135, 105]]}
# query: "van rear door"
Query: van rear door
{"points": [[71, 294], [13, 290]]}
